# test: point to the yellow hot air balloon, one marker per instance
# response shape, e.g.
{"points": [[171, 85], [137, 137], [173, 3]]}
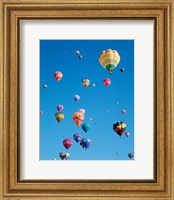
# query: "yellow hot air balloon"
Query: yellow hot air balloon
{"points": [[109, 59], [78, 118], [59, 116]]}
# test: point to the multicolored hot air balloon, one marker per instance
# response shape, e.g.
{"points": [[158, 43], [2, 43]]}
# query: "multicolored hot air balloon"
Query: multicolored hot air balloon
{"points": [[119, 128], [67, 143], [82, 110], [109, 59], [85, 82], [78, 118], [86, 127], [64, 155], [76, 97], [77, 52], [130, 155], [127, 134], [85, 143], [58, 76], [106, 81], [77, 137], [60, 107], [59, 116], [45, 86]]}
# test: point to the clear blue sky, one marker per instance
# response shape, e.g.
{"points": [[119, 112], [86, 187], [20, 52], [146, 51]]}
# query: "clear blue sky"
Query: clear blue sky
{"points": [[59, 55]]}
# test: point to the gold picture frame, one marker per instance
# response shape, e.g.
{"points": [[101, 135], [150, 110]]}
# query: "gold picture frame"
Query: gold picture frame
{"points": [[12, 12]]}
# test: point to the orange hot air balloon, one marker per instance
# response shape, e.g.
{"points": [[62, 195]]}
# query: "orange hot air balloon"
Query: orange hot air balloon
{"points": [[78, 118]]}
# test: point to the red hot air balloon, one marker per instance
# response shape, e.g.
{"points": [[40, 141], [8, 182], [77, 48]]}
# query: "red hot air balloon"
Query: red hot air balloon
{"points": [[41, 112], [58, 76], [67, 143], [106, 81]]}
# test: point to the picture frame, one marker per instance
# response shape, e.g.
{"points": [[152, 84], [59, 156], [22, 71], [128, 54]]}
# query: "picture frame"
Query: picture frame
{"points": [[12, 187]]}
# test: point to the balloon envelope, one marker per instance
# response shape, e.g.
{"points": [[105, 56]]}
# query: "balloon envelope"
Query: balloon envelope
{"points": [[45, 86], [80, 57], [119, 128], [78, 118], [106, 81], [130, 155], [82, 110], [76, 97], [127, 134], [85, 82], [123, 111], [41, 112], [64, 155], [58, 76], [59, 116], [109, 59], [67, 143], [86, 127], [77, 52], [60, 107], [77, 137], [85, 143], [122, 70]]}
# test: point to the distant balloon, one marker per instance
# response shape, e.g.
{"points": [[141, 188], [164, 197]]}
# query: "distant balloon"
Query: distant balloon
{"points": [[60, 107], [117, 153], [64, 155], [85, 143], [77, 137], [93, 85], [82, 110], [45, 86], [90, 119], [107, 110], [127, 134], [77, 52], [119, 128], [85, 82], [117, 102], [109, 59], [54, 159], [123, 111], [76, 97], [58, 76], [121, 69], [67, 143], [80, 57], [86, 127], [41, 112], [130, 155], [106, 81], [59, 116], [78, 118]]}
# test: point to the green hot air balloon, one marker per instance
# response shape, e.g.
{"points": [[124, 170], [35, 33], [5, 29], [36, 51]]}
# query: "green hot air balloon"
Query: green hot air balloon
{"points": [[86, 127]]}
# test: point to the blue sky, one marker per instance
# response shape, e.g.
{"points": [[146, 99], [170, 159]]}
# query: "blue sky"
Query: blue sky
{"points": [[59, 55]]}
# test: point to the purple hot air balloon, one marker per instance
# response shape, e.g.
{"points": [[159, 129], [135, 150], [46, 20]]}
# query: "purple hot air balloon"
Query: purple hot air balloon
{"points": [[76, 97], [60, 107]]}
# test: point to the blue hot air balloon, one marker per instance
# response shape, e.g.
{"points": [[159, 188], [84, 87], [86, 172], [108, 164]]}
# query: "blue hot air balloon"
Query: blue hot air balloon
{"points": [[77, 137], [86, 127], [85, 143]]}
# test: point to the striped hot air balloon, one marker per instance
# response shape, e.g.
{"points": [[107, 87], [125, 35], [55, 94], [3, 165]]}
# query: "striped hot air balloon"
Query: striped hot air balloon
{"points": [[58, 76], [109, 59], [78, 118]]}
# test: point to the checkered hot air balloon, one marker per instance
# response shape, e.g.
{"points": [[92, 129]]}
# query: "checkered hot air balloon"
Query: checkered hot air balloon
{"points": [[109, 59]]}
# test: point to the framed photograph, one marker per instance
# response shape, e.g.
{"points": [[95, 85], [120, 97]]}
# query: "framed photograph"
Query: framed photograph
{"points": [[86, 100]]}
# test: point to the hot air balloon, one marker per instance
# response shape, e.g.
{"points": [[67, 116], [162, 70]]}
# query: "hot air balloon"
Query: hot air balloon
{"points": [[64, 155], [59, 116], [67, 143], [80, 57], [127, 134], [76, 97], [58, 76], [78, 118], [82, 110], [86, 127], [119, 128], [60, 107], [109, 59], [77, 52], [77, 137], [85, 143], [123, 111], [93, 85], [106, 81], [121, 69], [90, 119], [45, 86], [117, 153], [85, 82], [41, 112], [130, 155]]}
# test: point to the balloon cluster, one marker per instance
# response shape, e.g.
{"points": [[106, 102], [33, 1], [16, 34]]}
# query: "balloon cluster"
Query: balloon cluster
{"points": [[79, 56]]}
